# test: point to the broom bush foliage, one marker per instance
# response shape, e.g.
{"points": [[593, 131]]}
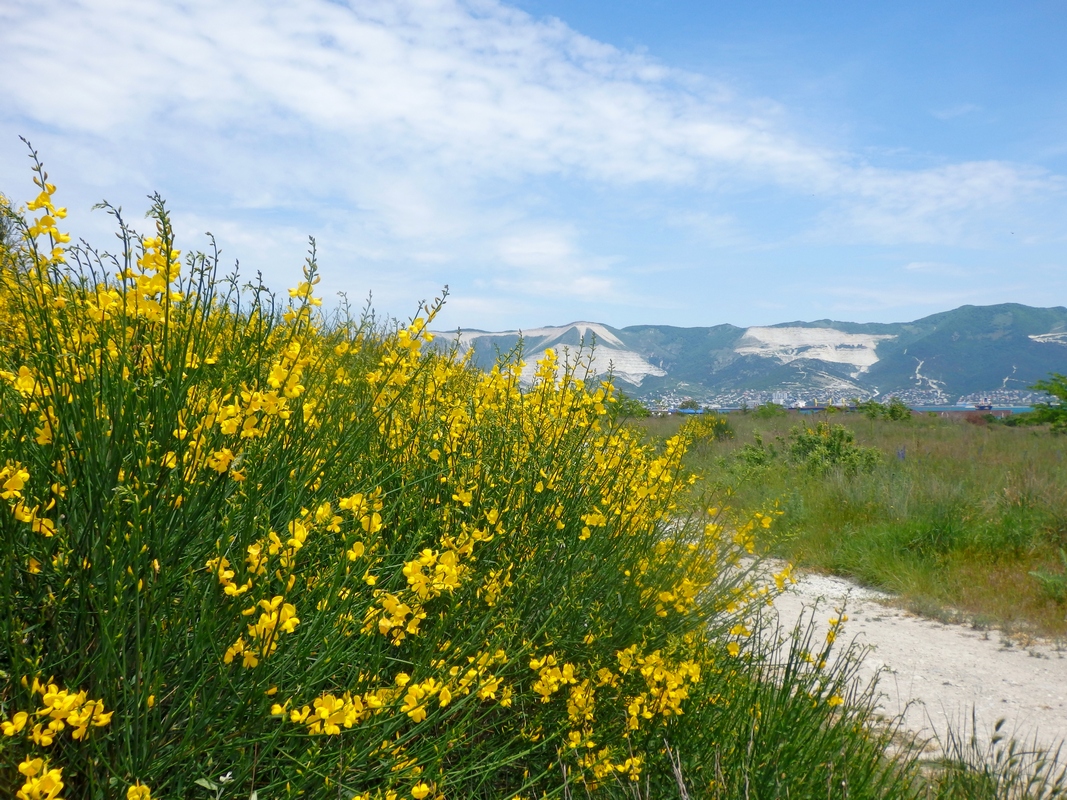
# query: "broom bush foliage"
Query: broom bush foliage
{"points": [[252, 549]]}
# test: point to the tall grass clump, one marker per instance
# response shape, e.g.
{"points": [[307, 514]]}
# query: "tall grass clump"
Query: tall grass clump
{"points": [[253, 550], [998, 769]]}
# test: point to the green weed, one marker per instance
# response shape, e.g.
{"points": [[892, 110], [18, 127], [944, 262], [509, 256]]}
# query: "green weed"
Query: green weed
{"points": [[944, 512]]}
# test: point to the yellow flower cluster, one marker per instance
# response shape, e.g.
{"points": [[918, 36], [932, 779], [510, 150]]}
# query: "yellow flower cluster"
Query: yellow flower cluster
{"points": [[836, 624], [35, 394], [15, 476], [551, 677], [666, 685], [329, 713], [45, 224], [41, 781], [419, 791], [392, 617], [277, 617], [148, 284], [444, 577], [59, 710], [602, 766], [413, 509]]}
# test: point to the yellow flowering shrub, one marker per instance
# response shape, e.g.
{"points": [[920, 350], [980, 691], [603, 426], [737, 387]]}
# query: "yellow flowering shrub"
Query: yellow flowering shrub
{"points": [[313, 556]]}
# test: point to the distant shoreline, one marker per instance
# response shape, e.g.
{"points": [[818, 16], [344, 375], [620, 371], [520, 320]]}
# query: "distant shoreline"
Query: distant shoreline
{"points": [[954, 408]]}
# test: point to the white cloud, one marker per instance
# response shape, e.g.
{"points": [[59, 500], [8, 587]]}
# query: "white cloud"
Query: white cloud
{"points": [[954, 204], [537, 249], [471, 87], [418, 131], [866, 299], [546, 262], [945, 269], [954, 111]]}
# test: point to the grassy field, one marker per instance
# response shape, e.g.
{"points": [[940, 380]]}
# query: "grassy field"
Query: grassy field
{"points": [[956, 516]]}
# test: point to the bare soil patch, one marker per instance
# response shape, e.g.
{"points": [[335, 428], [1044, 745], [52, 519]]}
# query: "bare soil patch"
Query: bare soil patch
{"points": [[942, 676]]}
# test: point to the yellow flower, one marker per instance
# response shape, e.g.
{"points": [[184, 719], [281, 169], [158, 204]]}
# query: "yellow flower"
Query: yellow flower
{"points": [[42, 736], [420, 790], [15, 725], [15, 483], [41, 783], [138, 792]]}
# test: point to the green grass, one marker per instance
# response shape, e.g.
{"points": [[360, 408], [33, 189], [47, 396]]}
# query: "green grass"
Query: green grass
{"points": [[953, 515]]}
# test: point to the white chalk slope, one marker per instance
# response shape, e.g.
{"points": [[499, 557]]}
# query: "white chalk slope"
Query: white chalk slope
{"points": [[609, 354], [1051, 338], [823, 344]]}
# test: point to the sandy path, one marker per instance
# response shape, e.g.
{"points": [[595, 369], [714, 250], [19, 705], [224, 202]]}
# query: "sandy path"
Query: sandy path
{"points": [[944, 670]]}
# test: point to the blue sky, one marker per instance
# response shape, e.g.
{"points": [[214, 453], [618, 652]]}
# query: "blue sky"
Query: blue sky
{"points": [[685, 163]]}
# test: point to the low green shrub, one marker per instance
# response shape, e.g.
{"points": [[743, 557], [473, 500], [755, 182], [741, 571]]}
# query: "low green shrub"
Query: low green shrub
{"points": [[1053, 584], [1002, 767], [958, 518], [769, 411], [895, 409], [825, 446]]}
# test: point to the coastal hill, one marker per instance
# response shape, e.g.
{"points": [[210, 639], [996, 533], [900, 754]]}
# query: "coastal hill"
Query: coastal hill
{"points": [[994, 351]]}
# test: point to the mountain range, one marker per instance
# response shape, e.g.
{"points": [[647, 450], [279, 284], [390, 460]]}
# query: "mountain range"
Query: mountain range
{"points": [[996, 351]]}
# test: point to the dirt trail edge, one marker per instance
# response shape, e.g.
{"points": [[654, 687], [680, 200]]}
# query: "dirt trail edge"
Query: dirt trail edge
{"points": [[934, 673]]}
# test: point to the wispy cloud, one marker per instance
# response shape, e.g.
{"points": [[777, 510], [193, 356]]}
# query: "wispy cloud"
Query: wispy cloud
{"points": [[954, 111], [546, 262], [938, 291], [414, 131], [953, 204], [873, 299], [943, 268]]}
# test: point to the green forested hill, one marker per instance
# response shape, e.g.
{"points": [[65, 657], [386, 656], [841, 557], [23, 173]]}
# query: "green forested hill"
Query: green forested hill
{"points": [[970, 349]]}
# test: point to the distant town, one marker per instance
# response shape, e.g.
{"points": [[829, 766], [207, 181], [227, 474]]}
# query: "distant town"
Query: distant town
{"points": [[821, 399]]}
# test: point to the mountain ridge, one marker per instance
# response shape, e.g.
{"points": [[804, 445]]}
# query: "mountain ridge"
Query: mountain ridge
{"points": [[1002, 348]]}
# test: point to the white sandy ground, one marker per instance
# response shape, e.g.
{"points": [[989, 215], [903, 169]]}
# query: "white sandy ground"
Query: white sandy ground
{"points": [[937, 674]]}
